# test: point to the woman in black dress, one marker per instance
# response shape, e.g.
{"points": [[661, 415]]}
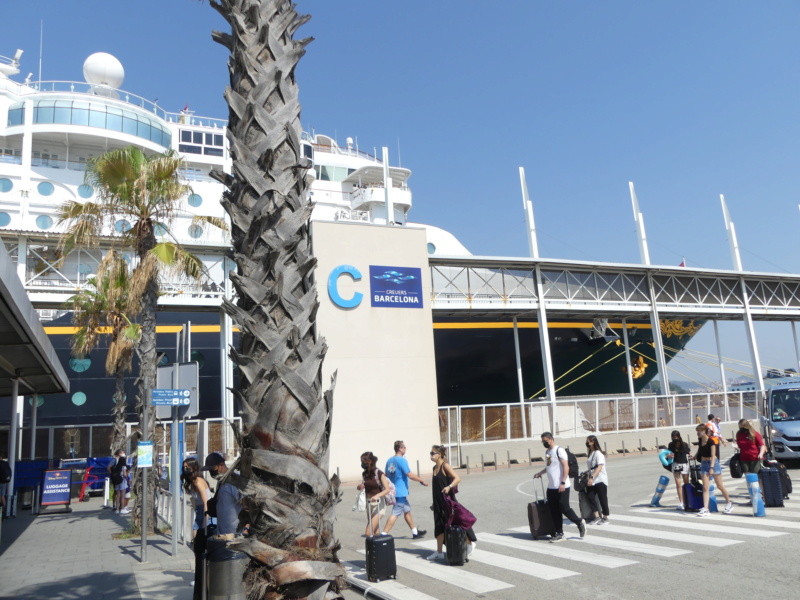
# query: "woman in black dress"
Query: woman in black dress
{"points": [[445, 480]]}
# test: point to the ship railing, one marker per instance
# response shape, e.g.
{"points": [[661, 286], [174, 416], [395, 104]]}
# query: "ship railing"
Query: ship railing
{"points": [[579, 417], [151, 106]]}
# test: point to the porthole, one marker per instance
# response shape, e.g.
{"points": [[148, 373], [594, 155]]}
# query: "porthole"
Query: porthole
{"points": [[79, 398], [45, 188], [198, 358], [164, 360], [85, 191], [195, 200], [160, 231], [44, 221], [431, 248], [6, 185], [195, 231], [122, 226], [79, 365], [39, 400], [5, 219]]}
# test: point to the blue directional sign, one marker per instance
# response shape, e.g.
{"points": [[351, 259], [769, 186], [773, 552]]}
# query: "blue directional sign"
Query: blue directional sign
{"points": [[166, 397]]}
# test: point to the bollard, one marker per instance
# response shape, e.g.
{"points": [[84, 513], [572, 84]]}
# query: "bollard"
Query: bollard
{"points": [[418, 475], [495, 461], [605, 448], [530, 460], [755, 495], [623, 447], [483, 466], [663, 482], [508, 455], [658, 446], [712, 500], [468, 465], [640, 445], [225, 571]]}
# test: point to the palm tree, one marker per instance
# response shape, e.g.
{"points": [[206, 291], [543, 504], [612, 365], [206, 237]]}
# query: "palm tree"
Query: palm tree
{"points": [[100, 309], [285, 415], [141, 193]]}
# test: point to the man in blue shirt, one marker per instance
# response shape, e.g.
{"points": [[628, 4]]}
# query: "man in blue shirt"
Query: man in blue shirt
{"points": [[398, 472]]}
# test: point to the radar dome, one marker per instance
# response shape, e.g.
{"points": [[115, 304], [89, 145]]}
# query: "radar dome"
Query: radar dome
{"points": [[103, 69]]}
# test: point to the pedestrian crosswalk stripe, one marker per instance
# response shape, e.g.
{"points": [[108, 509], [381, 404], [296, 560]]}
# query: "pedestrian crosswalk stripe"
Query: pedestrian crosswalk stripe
{"points": [[510, 563], [391, 588], [558, 551], [739, 518], [462, 578], [626, 545], [684, 522], [703, 540]]}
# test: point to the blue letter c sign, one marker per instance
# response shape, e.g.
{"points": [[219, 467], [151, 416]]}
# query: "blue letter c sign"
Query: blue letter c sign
{"points": [[333, 289]]}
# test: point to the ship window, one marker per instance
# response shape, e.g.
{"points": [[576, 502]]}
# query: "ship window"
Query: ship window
{"points": [[85, 191], [5, 219], [114, 121], [97, 119], [144, 130], [212, 151], [308, 151], [198, 358], [218, 140], [197, 137], [190, 149], [209, 139], [431, 248], [160, 230], [122, 226], [16, 116], [6, 185], [195, 200], [80, 113], [195, 231], [186, 135], [130, 126], [45, 187], [79, 398], [43, 114], [44, 222]]}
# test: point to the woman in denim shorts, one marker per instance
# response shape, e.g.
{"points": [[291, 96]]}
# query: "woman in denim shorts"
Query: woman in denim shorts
{"points": [[708, 454]]}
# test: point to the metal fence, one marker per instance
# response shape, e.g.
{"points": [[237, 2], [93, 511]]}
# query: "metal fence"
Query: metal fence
{"points": [[478, 424]]}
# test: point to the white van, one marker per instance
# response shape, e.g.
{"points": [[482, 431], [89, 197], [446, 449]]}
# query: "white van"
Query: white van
{"points": [[782, 422]]}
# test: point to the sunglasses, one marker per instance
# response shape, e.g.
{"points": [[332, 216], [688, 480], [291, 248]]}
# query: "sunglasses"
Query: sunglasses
{"points": [[434, 453]]}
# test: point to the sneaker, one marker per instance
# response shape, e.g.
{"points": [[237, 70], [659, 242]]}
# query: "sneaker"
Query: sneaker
{"points": [[559, 537], [420, 533], [680, 508], [597, 521], [728, 508], [125, 511], [604, 521], [436, 556], [703, 512], [582, 527], [470, 548]]}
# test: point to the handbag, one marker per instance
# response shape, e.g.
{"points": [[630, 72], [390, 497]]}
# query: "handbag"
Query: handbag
{"points": [[361, 502], [582, 481], [735, 464], [389, 498], [457, 514]]}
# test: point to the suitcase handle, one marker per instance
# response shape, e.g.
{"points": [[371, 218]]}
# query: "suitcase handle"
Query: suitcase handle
{"points": [[536, 492]]}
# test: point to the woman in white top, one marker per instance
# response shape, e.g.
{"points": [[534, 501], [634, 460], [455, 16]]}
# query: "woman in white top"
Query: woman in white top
{"points": [[598, 479]]}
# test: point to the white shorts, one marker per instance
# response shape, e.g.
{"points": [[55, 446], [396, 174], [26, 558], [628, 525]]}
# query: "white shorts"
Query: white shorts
{"points": [[680, 468]]}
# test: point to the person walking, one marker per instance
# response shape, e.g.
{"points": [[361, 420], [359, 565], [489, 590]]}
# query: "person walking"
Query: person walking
{"points": [[5, 477], [197, 488], [557, 470], [445, 481], [376, 486], [598, 480], [228, 498], [708, 454], [751, 447], [398, 472], [679, 453]]}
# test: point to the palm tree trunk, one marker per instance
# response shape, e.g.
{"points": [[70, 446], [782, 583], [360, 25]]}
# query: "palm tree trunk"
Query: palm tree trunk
{"points": [[120, 408], [286, 417]]}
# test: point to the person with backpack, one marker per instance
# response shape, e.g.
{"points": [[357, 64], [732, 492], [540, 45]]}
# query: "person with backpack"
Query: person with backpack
{"points": [[117, 470], [679, 453], [751, 447], [376, 486], [557, 468]]}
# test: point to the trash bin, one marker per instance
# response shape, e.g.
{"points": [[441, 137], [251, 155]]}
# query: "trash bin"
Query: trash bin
{"points": [[225, 571]]}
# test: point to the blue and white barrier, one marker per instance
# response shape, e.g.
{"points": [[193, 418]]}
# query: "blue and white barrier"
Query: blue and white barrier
{"points": [[663, 482], [755, 495]]}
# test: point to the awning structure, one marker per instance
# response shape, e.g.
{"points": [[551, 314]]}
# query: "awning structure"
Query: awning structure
{"points": [[25, 351]]}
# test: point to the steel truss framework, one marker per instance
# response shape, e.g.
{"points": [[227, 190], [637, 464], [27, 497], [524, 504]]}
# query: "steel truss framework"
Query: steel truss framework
{"points": [[604, 289]]}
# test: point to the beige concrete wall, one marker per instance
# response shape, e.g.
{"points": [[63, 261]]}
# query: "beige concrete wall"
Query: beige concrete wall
{"points": [[386, 382]]}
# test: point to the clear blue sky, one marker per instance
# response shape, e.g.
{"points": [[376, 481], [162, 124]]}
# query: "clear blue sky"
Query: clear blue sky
{"points": [[686, 99]]}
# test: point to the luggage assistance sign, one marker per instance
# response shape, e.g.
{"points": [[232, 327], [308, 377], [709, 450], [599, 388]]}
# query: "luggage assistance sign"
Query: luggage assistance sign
{"points": [[56, 488]]}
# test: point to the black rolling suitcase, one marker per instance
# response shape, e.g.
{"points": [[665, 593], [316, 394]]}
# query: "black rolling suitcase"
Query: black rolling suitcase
{"points": [[771, 491], [539, 518], [786, 481], [381, 562], [693, 491], [455, 539]]}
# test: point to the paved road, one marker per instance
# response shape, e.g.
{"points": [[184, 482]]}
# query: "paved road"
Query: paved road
{"points": [[643, 552]]}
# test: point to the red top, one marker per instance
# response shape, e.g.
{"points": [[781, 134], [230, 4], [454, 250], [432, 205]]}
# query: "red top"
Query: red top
{"points": [[748, 449]]}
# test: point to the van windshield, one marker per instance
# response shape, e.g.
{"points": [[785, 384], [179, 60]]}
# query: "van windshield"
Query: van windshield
{"points": [[785, 405]]}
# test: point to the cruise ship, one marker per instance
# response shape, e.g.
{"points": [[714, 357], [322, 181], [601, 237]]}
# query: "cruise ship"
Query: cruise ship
{"points": [[49, 130]]}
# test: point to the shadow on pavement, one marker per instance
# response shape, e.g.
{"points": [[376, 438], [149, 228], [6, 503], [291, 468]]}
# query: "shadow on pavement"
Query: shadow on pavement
{"points": [[97, 586]]}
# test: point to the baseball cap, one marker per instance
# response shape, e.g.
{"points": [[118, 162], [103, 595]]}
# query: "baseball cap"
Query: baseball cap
{"points": [[212, 460]]}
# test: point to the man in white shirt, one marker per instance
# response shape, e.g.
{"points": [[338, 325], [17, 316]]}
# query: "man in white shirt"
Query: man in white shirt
{"points": [[557, 469]]}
